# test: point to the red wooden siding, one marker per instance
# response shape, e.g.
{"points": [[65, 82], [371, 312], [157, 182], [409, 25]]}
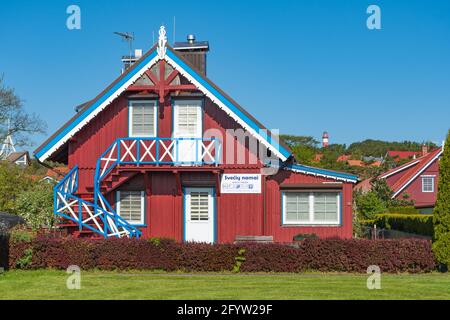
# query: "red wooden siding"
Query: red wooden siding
{"points": [[237, 214], [286, 233]]}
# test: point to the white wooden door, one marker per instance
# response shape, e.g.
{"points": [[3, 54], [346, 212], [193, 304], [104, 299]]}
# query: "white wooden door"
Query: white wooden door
{"points": [[188, 125], [199, 215]]}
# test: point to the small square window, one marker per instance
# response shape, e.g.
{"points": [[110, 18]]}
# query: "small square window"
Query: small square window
{"points": [[427, 184]]}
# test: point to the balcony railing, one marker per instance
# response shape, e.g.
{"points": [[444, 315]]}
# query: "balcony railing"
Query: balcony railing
{"points": [[159, 151]]}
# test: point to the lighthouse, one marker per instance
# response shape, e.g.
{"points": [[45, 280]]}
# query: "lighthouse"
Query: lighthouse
{"points": [[325, 140]]}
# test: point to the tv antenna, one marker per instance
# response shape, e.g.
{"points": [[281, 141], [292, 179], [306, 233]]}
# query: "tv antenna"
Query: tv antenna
{"points": [[128, 37]]}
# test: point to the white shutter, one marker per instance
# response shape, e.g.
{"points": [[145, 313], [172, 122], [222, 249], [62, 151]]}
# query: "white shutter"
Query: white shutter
{"points": [[199, 206], [130, 206], [143, 118], [187, 119]]}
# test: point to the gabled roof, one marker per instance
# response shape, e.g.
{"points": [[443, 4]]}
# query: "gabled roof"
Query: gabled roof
{"points": [[206, 86], [413, 169]]}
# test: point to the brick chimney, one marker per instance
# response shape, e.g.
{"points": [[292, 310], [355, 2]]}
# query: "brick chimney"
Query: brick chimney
{"points": [[424, 149], [194, 52]]}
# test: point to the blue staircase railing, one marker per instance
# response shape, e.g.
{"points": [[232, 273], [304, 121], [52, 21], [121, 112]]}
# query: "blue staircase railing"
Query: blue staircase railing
{"points": [[99, 216], [87, 215]]}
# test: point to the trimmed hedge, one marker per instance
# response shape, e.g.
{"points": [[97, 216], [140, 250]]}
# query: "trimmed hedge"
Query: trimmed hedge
{"points": [[328, 255], [413, 223], [403, 210]]}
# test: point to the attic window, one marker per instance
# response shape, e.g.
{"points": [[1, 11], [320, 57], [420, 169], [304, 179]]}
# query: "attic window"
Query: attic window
{"points": [[142, 118], [427, 183]]}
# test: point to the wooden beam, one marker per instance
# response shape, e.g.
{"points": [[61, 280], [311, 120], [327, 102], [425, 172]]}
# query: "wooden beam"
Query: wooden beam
{"points": [[152, 77], [162, 82], [171, 76], [178, 182], [181, 87], [143, 88], [217, 174]]}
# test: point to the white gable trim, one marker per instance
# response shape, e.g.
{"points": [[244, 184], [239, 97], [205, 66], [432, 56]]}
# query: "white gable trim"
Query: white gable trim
{"points": [[97, 110], [262, 136], [386, 175], [225, 108]]}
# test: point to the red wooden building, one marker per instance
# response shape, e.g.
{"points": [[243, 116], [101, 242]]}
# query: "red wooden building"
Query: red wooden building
{"points": [[164, 152], [416, 180]]}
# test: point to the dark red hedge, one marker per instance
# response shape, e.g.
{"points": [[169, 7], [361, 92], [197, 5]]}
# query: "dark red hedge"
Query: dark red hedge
{"points": [[411, 255]]}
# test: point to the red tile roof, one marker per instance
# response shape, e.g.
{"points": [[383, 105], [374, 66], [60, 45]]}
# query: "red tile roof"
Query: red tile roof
{"points": [[399, 155], [414, 167]]}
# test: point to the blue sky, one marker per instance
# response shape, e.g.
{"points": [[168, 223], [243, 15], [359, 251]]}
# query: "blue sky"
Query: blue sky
{"points": [[300, 66]]}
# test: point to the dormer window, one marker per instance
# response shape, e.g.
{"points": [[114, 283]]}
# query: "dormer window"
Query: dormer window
{"points": [[142, 118]]}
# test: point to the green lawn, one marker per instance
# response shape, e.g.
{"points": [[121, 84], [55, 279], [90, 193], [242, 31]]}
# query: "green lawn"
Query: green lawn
{"points": [[138, 285]]}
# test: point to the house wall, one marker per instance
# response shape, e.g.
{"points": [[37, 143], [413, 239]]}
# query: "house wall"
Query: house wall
{"points": [[414, 189], [112, 123], [282, 233], [236, 214]]}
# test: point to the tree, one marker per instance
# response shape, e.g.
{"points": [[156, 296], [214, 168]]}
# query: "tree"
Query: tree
{"points": [[441, 213], [36, 205], [14, 119], [368, 205], [292, 141], [13, 181]]}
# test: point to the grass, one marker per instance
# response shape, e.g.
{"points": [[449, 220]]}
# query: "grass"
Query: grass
{"points": [[51, 284]]}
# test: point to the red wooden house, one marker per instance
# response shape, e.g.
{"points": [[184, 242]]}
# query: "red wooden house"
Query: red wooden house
{"points": [[164, 152], [416, 180]]}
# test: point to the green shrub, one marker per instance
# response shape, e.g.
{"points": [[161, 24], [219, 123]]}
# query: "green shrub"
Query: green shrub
{"points": [[35, 205], [21, 234], [368, 205], [441, 213], [403, 210], [413, 223], [240, 259], [26, 260], [303, 236]]}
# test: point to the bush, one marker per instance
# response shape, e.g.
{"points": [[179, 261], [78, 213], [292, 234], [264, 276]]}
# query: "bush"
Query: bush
{"points": [[413, 223], [403, 210], [441, 211], [368, 205], [328, 255], [35, 205]]}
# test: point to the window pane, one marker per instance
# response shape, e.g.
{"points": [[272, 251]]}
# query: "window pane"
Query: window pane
{"points": [[326, 206], [188, 123], [131, 206], [296, 207], [199, 206], [428, 184], [143, 118]]}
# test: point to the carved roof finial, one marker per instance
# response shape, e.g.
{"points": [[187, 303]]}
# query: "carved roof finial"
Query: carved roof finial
{"points": [[162, 41]]}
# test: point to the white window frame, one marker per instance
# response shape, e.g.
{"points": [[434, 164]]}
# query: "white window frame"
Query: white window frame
{"points": [[432, 177], [155, 118], [311, 221], [133, 222]]}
